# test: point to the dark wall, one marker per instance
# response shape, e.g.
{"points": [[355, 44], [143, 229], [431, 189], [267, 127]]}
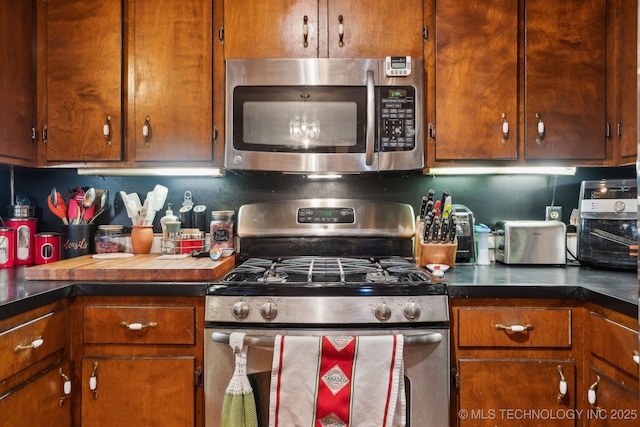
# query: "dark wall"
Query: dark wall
{"points": [[490, 197]]}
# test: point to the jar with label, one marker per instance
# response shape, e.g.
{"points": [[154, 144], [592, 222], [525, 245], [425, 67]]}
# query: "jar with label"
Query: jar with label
{"points": [[222, 229], [109, 239]]}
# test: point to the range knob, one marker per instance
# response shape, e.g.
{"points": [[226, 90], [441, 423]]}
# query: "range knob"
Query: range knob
{"points": [[269, 310], [382, 312], [240, 310], [411, 310]]}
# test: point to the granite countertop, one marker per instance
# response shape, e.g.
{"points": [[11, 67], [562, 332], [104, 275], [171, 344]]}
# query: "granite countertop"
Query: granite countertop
{"points": [[617, 290]]}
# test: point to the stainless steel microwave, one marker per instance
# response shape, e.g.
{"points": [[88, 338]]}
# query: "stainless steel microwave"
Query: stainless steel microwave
{"points": [[324, 115]]}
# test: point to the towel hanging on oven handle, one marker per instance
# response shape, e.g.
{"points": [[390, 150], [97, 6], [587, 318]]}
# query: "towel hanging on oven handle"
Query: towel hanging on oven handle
{"points": [[267, 341]]}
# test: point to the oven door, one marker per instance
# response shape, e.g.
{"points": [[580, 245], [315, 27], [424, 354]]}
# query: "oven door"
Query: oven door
{"points": [[426, 366]]}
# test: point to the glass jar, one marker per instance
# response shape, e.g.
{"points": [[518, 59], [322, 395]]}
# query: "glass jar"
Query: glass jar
{"points": [[109, 239], [221, 229]]}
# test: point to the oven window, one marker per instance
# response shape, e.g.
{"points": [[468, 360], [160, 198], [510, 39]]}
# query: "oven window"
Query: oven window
{"points": [[299, 118]]}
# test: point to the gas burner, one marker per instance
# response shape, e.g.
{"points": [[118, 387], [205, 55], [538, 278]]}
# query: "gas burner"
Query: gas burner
{"points": [[380, 276]]}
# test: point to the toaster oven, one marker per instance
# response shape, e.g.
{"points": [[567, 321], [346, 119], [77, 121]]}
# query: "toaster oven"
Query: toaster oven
{"points": [[607, 232]]}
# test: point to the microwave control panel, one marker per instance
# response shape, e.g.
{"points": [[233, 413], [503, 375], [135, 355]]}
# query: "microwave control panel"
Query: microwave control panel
{"points": [[397, 118]]}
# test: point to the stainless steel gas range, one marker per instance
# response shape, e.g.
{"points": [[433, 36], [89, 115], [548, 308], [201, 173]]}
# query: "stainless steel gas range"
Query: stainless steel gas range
{"points": [[328, 267]]}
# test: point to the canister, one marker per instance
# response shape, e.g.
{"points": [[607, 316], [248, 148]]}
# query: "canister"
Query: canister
{"points": [[222, 229], [25, 239], [7, 247], [47, 248]]}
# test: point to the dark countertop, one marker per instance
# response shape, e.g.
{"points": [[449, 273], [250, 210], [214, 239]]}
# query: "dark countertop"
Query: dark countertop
{"points": [[617, 290]]}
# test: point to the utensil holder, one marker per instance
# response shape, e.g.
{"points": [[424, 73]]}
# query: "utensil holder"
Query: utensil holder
{"points": [[141, 239], [437, 253], [78, 240]]}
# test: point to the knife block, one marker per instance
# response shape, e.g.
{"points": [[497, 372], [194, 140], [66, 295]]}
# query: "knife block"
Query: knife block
{"points": [[433, 253]]}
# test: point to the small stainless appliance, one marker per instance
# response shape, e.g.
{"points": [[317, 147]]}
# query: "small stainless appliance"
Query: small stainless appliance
{"points": [[319, 115], [329, 267], [607, 224], [531, 242]]}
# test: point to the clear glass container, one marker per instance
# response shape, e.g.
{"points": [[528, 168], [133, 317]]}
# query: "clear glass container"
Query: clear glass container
{"points": [[221, 228], [109, 239]]}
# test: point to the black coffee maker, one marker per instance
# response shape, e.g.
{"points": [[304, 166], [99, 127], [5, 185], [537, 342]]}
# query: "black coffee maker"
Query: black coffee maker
{"points": [[466, 252]]}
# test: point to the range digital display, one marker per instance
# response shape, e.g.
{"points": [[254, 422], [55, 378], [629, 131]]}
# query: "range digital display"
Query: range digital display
{"points": [[326, 215]]}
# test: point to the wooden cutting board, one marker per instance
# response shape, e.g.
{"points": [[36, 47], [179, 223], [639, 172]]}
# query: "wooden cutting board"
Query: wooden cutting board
{"points": [[146, 268]]}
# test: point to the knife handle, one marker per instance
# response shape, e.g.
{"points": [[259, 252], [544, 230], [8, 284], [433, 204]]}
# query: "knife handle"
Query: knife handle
{"points": [[423, 207], [436, 226], [453, 224], [428, 219]]}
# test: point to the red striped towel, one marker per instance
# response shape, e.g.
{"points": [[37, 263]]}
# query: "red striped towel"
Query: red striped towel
{"points": [[337, 381]]}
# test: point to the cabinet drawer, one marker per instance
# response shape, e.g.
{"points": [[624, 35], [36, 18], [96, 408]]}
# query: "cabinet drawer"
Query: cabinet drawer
{"points": [[613, 342], [499, 327], [20, 346], [139, 325]]}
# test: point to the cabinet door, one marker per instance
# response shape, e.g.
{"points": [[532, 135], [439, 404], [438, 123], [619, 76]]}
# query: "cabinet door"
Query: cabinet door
{"points": [[17, 80], [626, 77], [616, 405], [37, 402], [170, 70], [84, 74], [272, 29], [504, 392], [476, 79], [374, 29], [138, 391], [565, 79]]}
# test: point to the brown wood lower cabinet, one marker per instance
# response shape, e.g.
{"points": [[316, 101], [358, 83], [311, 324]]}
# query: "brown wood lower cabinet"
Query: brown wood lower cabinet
{"points": [[508, 392], [138, 391]]}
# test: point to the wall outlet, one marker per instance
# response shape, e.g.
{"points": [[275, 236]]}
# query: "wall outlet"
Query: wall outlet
{"points": [[554, 213]]}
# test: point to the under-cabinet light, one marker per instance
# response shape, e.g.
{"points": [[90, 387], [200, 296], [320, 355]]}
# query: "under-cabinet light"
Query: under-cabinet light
{"points": [[324, 176], [203, 172], [519, 170]]}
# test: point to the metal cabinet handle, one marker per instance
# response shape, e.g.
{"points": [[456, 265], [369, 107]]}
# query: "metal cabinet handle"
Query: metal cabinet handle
{"points": [[563, 384], [636, 357], [106, 130], [371, 119], [66, 387], [340, 31], [514, 328], [505, 129], [305, 30], [540, 129], [146, 131], [138, 326], [591, 394], [93, 381], [34, 344]]}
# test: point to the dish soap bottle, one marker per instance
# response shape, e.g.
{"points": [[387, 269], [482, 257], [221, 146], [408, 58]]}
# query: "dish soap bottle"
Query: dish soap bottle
{"points": [[168, 217]]}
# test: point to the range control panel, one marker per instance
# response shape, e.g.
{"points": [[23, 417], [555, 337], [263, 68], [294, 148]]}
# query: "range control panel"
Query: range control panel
{"points": [[397, 118], [326, 215]]}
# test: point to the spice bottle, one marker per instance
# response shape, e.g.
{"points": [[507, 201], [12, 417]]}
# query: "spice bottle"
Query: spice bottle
{"points": [[222, 229]]}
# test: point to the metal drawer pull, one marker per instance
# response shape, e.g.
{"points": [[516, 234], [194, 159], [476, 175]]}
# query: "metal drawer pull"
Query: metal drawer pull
{"points": [[66, 387], [340, 31], [636, 357], [540, 129], [305, 30], [138, 326], [106, 130], [563, 385], [265, 341], [93, 381], [591, 394], [505, 129], [34, 344], [514, 328], [146, 130]]}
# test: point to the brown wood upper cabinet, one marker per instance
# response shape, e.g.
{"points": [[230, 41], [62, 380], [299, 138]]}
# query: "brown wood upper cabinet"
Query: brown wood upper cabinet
{"points": [[129, 81], [519, 80], [334, 28]]}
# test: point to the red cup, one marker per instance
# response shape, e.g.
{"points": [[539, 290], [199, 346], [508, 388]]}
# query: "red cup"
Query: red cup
{"points": [[47, 248]]}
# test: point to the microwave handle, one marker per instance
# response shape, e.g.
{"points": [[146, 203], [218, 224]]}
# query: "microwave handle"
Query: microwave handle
{"points": [[371, 118]]}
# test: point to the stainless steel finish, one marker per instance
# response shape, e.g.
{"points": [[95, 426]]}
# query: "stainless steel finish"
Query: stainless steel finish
{"points": [[268, 340], [280, 218], [427, 369], [321, 72], [531, 242], [306, 310], [371, 118]]}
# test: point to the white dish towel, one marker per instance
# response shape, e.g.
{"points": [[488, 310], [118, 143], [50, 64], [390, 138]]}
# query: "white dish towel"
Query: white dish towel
{"points": [[355, 381], [239, 405]]}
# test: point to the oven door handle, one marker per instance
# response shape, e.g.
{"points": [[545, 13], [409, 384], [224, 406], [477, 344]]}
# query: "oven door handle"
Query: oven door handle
{"points": [[268, 341], [371, 119]]}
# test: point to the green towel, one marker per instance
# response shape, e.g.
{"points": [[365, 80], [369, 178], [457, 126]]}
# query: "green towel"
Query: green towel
{"points": [[239, 405]]}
